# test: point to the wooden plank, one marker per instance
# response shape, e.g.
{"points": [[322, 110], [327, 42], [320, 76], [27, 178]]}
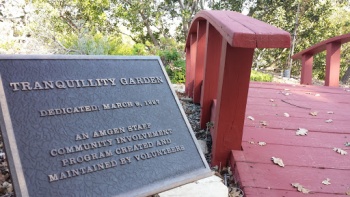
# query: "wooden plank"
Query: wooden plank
{"points": [[233, 86], [190, 71], [302, 156], [261, 111], [293, 123], [333, 64], [200, 59], [307, 61], [211, 73], [289, 138], [268, 192], [243, 31], [308, 159], [278, 178], [321, 46], [268, 85]]}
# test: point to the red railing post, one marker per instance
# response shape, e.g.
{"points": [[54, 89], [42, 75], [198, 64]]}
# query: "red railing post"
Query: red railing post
{"points": [[200, 60], [234, 77], [192, 68], [211, 73], [332, 64], [306, 69], [224, 65], [188, 69]]}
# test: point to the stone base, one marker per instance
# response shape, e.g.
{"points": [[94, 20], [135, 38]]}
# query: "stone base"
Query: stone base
{"points": [[212, 186]]}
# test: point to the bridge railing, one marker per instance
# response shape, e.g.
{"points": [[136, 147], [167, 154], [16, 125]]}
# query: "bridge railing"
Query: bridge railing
{"points": [[332, 47], [219, 54]]}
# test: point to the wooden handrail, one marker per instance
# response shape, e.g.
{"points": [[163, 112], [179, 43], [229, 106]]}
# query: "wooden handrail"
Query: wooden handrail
{"points": [[332, 46], [219, 54]]}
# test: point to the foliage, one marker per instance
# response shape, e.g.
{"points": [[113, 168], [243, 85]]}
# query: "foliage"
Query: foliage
{"points": [[132, 27], [174, 65], [260, 76]]}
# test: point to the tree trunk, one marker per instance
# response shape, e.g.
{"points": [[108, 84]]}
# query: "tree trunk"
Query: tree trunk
{"points": [[149, 30]]}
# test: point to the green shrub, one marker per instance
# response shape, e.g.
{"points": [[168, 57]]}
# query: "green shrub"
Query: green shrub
{"points": [[174, 65], [259, 76]]}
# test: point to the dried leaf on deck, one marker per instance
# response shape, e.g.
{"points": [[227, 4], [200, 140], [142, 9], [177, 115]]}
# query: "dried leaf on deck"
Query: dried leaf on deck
{"points": [[348, 193], [307, 92], [329, 121], [314, 113], [347, 143], [340, 151], [286, 115], [330, 112], [326, 182], [251, 142], [262, 143], [271, 100], [263, 123], [317, 94], [251, 118], [301, 131], [286, 89], [301, 188], [277, 161]]}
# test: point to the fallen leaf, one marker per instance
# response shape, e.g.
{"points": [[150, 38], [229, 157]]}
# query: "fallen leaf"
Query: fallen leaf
{"points": [[277, 161], [251, 142], [307, 92], [271, 100], [287, 93], [301, 131], [263, 123], [235, 192], [329, 121], [286, 89], [250, 118], [340, 151], [348, 193], [301, 188], [262, 143], [330, 112], [326, 182], [286, 115], [313, 113], [317, 94], [347, 144]]}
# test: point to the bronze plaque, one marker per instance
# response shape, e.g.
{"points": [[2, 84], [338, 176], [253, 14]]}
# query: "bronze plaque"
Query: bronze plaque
{"points": [[94, 126]]}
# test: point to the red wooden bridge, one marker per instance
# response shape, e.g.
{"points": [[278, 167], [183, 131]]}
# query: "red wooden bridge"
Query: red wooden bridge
{"points": [[254, 122]]}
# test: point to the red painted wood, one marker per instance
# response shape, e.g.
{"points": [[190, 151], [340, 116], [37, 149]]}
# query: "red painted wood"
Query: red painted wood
{"points": [[304, 156], [321, 46], [332, 46], [213, 116], [308, 159], [192, 69], [306, 69], [301, 88], [332, 64], [259, 175], [211, 73], [234, 75], [268, 192], [188, 69], [200, 60], [243, 31], [288, 138]]}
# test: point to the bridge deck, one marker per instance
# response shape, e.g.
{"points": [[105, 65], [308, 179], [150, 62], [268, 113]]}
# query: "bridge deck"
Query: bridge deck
{"points": [[308, 159]]}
